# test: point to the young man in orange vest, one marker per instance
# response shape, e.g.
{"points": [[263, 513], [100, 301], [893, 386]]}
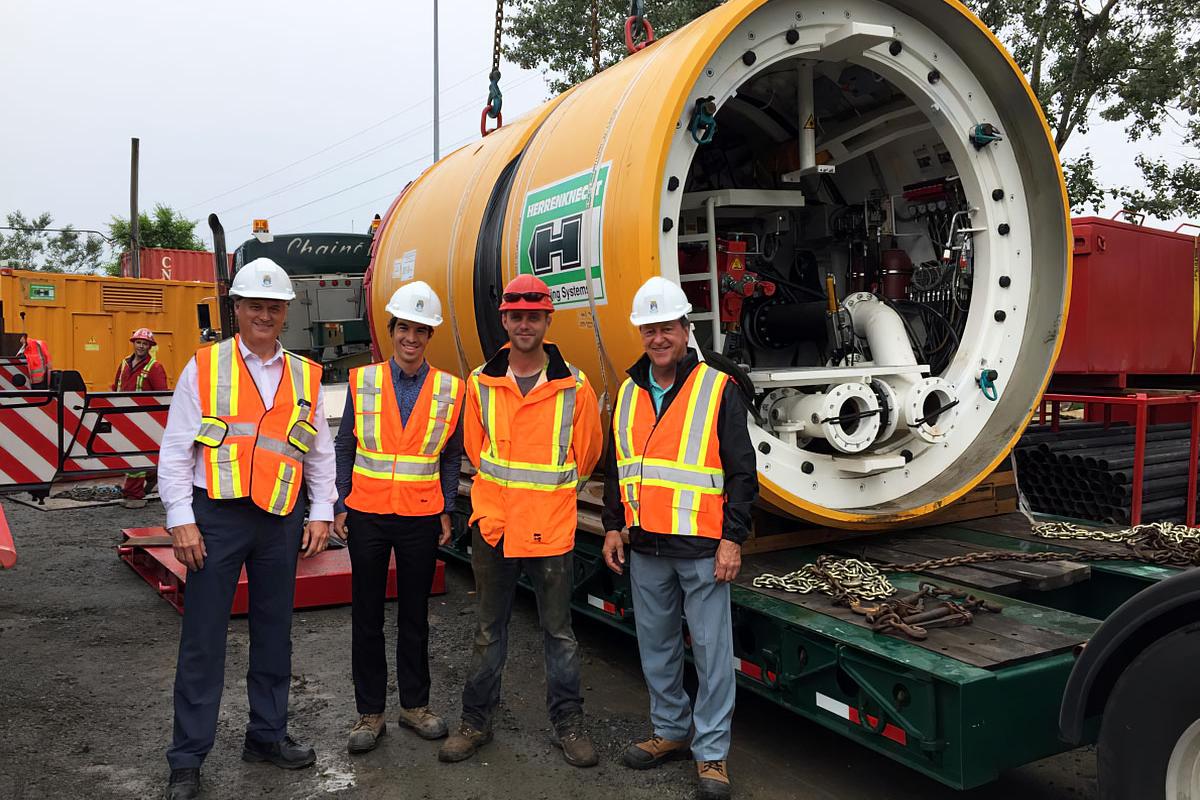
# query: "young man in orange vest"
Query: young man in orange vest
{"points": [[140, 372], [681, 475], [245, 433], [37, 361], [532, 430], [399, 452]]}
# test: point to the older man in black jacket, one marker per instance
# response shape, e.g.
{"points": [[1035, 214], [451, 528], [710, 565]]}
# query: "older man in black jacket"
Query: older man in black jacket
{"points": [[680, 474]]}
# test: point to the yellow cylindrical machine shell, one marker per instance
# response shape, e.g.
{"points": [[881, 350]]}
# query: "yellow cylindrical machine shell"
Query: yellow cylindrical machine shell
{"points": [[611, 134]]}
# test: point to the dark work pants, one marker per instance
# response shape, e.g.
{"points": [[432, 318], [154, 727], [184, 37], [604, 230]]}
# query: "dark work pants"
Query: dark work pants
{"points": [[373, 539], [496, 584], [236, 532]]}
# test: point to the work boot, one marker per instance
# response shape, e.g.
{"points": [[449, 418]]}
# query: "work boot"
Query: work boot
{"points": [[426, 724], [287, 753], [576, 746], [184, 785], [366, 733], [463, 744], [133, 502], [713, 779], [654, 751]]}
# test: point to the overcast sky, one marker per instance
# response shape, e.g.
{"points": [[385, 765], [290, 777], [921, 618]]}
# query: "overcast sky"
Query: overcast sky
{"points": [[227, 97]]}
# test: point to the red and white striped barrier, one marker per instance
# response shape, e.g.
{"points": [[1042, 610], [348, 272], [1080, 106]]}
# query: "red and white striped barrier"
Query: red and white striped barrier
{"points": [[118, 431], [29, 438], [850, 714], [10, 368], [8, 550]]}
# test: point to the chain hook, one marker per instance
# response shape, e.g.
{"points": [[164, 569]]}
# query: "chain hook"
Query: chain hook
{"points": [[495, 99]]}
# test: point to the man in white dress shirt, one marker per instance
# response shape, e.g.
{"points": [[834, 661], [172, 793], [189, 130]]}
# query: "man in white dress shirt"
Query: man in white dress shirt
{"points": [[245, 433]]}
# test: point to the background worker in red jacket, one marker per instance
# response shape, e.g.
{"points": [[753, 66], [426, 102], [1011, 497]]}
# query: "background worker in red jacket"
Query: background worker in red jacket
{"points": [[140, 372], [37, 361]]}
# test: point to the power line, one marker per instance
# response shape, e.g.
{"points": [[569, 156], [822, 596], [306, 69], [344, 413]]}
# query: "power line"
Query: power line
{"points": [[380, 175], [351, 160], [332, 146], [390, 195]]}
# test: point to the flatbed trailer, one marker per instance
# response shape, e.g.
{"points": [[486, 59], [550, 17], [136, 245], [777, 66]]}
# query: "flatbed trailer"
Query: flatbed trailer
{"points": [[961, 706]]}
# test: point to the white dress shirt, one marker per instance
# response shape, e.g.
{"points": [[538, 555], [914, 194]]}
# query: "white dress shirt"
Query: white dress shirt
{"points": [[181, 461]]}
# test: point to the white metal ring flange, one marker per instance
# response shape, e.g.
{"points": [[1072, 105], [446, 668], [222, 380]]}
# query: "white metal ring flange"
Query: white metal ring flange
{"points": [[822, 413], [925, 396]]}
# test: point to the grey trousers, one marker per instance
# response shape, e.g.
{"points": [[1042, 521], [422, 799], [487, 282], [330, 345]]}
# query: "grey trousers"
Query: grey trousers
{"points": [[664, 591]]}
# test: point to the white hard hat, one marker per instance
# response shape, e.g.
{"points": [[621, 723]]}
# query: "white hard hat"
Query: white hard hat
{"points": [[416, 302], [659, 300], [262, 278]]}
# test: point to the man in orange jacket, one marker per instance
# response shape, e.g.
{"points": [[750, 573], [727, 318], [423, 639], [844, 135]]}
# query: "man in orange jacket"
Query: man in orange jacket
{"points": [[532, 430], [140, 372], [37, 360]]}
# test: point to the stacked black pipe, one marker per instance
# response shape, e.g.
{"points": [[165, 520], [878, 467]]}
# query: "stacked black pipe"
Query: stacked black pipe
{"points": [[1085, 471]]}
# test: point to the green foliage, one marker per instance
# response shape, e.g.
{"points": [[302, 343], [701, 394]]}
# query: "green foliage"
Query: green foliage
{"points": [[556, 35], [163, 227], [1131, 61], [31, 246]]}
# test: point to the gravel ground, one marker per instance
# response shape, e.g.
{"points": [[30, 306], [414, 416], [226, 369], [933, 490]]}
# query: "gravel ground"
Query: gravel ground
{"points": [[88, 655]]}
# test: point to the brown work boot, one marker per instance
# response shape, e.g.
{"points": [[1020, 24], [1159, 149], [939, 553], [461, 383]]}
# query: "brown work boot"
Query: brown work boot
{"points": [[714, 780], [463, 743], [366, 733], [576, 745], [654, 751], [426, 724], [133, 502]]}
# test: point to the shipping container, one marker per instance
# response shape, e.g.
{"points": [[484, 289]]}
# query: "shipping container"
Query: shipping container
{"points": [[1135, 306], [162, 263], [86, 320]]}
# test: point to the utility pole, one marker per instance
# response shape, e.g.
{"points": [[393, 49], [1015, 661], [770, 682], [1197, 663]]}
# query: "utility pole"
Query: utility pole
{"points": [[135, 254], [436, 115]]}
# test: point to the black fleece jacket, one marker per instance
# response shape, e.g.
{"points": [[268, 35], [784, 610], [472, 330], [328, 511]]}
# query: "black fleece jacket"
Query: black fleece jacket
{"points": [[737, 460]]}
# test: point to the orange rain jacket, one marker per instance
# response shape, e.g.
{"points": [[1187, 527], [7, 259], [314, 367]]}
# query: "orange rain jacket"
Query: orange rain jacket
{"points": [[532, 454]]}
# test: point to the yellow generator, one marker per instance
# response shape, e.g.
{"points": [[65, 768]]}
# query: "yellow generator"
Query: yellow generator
{"points": [[86, 320]]}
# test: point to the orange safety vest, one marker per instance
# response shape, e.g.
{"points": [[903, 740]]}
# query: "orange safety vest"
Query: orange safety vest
{"points": [[528, 476], [670, 470], [397, 466], [254, 452], [37, 359]]}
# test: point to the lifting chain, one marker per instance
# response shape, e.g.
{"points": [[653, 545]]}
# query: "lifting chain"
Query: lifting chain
{"points": [[843, 579], [495, 99]]}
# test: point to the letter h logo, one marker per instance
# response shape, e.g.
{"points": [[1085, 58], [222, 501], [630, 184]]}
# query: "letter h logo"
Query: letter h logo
{"points": [[550, 251]]}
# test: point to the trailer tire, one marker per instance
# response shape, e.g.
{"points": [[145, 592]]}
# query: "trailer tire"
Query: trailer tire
{"points": [[1151, 724]]}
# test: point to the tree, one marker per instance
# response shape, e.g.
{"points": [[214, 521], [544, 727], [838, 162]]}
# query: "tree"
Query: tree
{"points": [[1135, 61], [32, 246], [164, 227], [548, 34], [1131, 61]]}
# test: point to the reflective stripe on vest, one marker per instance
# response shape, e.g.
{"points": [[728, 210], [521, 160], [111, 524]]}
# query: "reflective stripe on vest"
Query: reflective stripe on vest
{"points": [[686, 475], [551, 477], [143, 374], [376, 457]]}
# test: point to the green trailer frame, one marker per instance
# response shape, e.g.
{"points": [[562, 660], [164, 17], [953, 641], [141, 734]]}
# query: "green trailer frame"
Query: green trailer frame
{"points": [[957, 723]]}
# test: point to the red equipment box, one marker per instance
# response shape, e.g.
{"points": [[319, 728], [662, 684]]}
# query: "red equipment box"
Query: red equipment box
{"points": [[323, 580], [1135, 306]]}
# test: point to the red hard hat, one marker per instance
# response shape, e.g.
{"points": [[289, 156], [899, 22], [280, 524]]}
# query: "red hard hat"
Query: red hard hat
{"points": [[527, 285], [143, 333]]}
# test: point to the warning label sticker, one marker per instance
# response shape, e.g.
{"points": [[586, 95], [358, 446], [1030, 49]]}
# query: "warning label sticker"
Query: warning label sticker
{"points": [[560, 239]]}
